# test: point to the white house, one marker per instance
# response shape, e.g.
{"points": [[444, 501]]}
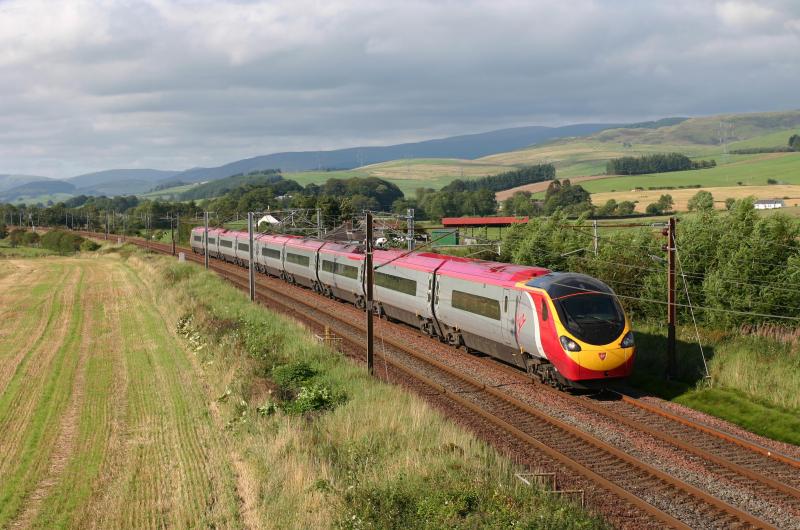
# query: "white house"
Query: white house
{"points": [[768, 204]]}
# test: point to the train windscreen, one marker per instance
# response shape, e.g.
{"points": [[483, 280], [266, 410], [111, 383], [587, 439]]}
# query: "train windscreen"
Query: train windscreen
{"points": [[592, 317]]}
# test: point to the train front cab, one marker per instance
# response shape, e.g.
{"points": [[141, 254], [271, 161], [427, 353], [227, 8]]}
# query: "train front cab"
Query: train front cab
{"points": [[581, 329]]}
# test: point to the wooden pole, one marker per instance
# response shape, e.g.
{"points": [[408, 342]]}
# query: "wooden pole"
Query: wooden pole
{"points": [[250, 269], [671, 295], [205, 238], [369, 271]]}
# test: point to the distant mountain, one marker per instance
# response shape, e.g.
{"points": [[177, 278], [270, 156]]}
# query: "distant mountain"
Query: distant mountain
{"points": [[36, 188], [117, 187], [467, 146], [9, 181], [120, 175]]}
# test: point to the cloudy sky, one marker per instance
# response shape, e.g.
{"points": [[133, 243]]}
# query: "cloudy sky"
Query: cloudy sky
{"points": [[89, 85]]}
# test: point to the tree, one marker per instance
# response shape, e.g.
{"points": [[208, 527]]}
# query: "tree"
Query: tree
{"points": [[563, 195], [609, 208], [3, 231], [729, 202], [794, 142], [16, 237], [626, 208], [701, 201], [30, 239]]}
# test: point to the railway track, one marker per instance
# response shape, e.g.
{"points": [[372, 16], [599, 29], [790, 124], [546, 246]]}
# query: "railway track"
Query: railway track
{"points": [[663, 497]]}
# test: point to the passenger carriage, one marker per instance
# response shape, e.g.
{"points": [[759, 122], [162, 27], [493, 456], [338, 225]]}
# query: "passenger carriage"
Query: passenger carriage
{"points": [[403, 285], [269, 253], [300, 262], [341, 272]]}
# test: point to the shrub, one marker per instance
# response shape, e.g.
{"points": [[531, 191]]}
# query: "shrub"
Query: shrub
{"points": [[293, 375], [30, 239], [89, 246], [16, 237], [62, 242], [3, 231], [314, 397], [772, 181]]}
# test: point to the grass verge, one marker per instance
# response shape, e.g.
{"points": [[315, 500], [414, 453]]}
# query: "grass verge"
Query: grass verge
{"points": [[755, 381], [320, 444]]}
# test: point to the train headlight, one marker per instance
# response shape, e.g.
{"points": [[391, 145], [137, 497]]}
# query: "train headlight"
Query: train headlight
{"points": [[627, 340], [569, 344]]}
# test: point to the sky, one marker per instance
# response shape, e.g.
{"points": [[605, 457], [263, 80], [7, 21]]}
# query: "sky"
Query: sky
{"points": [[87, 85]]}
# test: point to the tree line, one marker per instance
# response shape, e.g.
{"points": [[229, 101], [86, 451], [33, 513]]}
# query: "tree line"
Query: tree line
{"points": [[735, 262], [655, 163]]}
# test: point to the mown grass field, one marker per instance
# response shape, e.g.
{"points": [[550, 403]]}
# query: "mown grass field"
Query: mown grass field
{"points": [[139, 393]]}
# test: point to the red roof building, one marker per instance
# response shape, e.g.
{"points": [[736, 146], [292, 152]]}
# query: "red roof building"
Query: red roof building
{"points": [[482, 221]]}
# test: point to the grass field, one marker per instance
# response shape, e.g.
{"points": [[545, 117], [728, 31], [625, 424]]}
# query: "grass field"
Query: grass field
{"points": [[139, 393], [168, 193], [104, 422]]}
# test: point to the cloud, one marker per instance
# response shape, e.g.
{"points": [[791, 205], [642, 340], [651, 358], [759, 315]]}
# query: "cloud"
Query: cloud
{"points": [[88, 85]]}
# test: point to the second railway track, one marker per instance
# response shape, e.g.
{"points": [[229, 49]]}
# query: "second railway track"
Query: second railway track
{"points": [[663, 497]]}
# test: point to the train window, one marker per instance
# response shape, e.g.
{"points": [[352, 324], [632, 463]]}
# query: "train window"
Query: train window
{"points": [[505, 306], [226, 244], [271, 253], [544, 309], [480, 305], [298, 259], [198, 238], [396, 283], [244, 246], [212, 240]]}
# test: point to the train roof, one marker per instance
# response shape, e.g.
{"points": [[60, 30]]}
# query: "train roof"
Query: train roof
{"points": [[423, 261], [493, 272], [304, 243], [352, 251]]}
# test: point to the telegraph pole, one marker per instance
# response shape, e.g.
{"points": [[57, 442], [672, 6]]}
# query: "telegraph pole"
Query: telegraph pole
{"points": [[205, 238], [251, 276], [410, 221], [369, 272], [172, 233], [596, 238], [319, 223], [671, 296], [106, 225]]}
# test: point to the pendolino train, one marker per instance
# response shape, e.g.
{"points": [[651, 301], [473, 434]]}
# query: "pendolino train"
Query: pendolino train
{"points": [[566, 329]]}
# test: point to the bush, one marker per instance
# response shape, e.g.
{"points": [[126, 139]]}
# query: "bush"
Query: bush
{"points": [[89, 246], [16, 237], [62, 242], [772, 181], [3, 231], [30, 239], [293, 375]]}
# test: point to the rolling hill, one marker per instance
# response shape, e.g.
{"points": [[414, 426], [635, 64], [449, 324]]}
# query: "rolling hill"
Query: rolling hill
{"points": [[10, 181], [468, 146]]}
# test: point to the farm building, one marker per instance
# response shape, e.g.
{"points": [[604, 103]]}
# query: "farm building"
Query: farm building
{"points": [[769, 204]]}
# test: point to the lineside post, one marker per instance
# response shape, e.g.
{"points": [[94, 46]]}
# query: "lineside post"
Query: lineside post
{"points": [[205, 238], [172, 230], [596, 239], [106, 225], [251, 271], [410, 222], [319, 223], [671, 296], [368, 266]]}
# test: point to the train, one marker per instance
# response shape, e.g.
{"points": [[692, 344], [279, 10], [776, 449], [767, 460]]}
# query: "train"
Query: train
{"points": [[565, 329]]}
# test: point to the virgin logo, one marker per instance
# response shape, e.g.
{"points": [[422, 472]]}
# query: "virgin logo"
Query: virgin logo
{"points": [[520, 322], [602, 355]]}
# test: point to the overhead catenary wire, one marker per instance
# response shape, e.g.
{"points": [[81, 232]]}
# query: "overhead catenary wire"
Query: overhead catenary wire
{"points": [[662, 302]]}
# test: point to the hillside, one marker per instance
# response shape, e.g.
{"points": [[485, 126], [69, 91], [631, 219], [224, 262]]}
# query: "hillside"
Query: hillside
{"points": [[467, 146], [36, 189], [10, 181], [98, 178]]}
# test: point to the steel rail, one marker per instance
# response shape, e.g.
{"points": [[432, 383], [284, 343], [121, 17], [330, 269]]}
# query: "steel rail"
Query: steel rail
{"points": [[587, 438]]}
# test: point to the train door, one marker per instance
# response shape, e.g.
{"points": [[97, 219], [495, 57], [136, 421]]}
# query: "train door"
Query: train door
{"points": [[508, 311]]}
